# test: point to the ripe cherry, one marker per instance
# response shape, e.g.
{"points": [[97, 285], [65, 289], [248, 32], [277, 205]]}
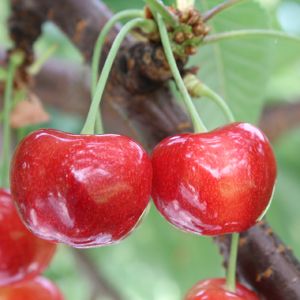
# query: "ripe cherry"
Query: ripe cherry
{"points": [[214, 289], [215, 182], [82, 190], [22, 254], [39, 288]]}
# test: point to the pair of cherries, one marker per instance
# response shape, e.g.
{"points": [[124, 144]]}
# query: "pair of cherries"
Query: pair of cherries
{"points": [[92, 190], [23, 257]]}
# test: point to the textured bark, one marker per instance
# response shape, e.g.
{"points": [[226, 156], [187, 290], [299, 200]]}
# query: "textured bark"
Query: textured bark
{"points": [[67, 87], [265, 263], [133, 87], [137, 102]]}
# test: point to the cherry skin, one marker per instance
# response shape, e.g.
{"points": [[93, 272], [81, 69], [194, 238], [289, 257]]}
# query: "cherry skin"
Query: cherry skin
{"points": [[215, 182], [81, 190], [22, 254], [214, 289], [39, 288]]}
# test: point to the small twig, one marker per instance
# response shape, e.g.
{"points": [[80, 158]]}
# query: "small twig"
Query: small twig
{"points": [[99, 282], [218, 9]]}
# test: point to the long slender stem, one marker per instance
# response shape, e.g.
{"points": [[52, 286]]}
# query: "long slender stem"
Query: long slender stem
{"points": [[197, 88], [218, 9], [197, 122], [230, 278], [130, 13], [159, 7], [13, 64], [147, 26], [219, 100], [248, 33]]}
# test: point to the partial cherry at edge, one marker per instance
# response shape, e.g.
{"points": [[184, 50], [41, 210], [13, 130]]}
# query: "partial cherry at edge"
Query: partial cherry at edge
{"points": [[214, 289], [23, 255], [215, 182], [39, 288], [81, 190]]}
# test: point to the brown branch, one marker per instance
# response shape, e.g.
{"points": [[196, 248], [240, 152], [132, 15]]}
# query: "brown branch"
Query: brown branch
{"points": [[279, 118], [265, 263], [67, 87]]}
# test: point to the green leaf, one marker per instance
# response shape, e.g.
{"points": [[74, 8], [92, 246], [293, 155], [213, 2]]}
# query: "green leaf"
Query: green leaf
{"points": [[284, 83], [239, 69]]}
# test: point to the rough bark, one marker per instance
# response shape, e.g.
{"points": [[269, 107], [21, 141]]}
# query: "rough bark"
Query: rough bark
{"points": [[265, 263], [149, 116], [67, 87]]}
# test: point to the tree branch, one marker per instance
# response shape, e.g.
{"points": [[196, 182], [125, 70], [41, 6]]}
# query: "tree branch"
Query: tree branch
{"points": [[265, 263]]}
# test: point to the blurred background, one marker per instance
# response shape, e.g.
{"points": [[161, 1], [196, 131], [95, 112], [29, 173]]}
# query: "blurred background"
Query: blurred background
{"points": [[159, 262]]}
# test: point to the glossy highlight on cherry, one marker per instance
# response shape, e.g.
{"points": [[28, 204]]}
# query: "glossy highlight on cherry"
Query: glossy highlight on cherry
{"points": [[81, 190], [216, 182], [214, 289], [22, 254]]}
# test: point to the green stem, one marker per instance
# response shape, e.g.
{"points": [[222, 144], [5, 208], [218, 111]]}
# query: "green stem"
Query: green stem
{"points": [[218, 9], [230, 278], [130, 13], [197, 122], [34, 68], [147, 26], [160, 8], [197, 89], [15, 61], [220, 101], [3, 74], [248, 33]]}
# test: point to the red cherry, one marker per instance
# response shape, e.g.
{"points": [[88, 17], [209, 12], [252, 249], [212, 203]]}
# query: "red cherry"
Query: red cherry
{"points": [[216, 182], [81, 190], [214, 289], [38, 288], [22, 254]]}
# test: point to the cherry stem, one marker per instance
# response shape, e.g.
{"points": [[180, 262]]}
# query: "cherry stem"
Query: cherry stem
{"points": [[14, 61], [159, 7], [197, 122], [147, 26], [220, 8], [3, 74], [231, 271], [130, 13], [197, 88], [35, 67], [248, 33]]}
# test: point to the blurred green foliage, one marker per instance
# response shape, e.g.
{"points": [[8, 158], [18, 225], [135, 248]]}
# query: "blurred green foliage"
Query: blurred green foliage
{"points": [[159, 262]]}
